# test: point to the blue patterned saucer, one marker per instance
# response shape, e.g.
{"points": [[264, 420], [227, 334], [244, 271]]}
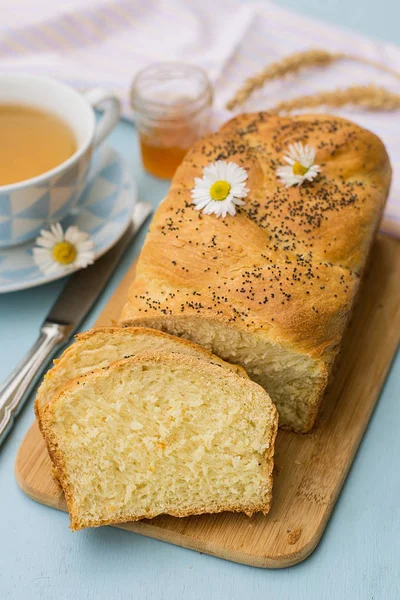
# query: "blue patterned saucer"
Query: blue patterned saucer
{"points": [[104, 211]]}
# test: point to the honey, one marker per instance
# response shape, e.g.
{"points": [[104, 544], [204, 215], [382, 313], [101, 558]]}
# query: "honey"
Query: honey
{"points": [[161, 161], [172, 105]]}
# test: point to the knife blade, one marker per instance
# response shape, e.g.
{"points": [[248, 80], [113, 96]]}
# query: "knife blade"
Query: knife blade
{"points": [[71, 307]]}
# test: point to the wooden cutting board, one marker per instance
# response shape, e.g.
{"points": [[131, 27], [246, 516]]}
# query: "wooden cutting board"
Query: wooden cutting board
{"points": [[310, 469]]}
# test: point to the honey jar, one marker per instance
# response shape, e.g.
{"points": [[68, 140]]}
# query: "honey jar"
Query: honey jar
{"points": [[172, 104]]}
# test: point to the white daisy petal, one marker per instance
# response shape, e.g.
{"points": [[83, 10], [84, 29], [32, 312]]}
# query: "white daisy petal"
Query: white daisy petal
{"points": [[50, 268], [295, 151], [284, 171], [231, 210], [45, 243], [86, 248], [197, 193], [303, 155], [309, 155], [200, 191], [232, 172], [84, 260], [202, 204], [41, 251], [229, 172], [238, 191], [214, 209], [210, 208], [57, 232], [46, 234], [310, 175], [218, 209], [223, 170], [211, 172], [205, 184], [72, 235], [292, 182], [289, 160], [241, 174], [45, 251]]}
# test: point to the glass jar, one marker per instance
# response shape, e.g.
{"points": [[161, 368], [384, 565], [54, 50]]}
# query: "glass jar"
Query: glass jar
{"points": [[172, 104]]}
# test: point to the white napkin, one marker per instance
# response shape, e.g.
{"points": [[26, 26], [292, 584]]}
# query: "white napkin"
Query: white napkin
{"points": [[106, 43]]}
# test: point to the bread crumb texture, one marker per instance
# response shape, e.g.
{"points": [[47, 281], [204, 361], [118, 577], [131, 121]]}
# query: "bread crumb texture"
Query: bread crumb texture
{"points": [[161, 433], [293, 536]]}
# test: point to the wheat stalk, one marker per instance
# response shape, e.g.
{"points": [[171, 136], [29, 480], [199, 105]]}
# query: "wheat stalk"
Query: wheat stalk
{"points": [[292, 64], [369, 96]]}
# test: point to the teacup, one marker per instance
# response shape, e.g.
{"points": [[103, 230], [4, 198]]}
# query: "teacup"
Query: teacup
{"points": [[28, 206]]}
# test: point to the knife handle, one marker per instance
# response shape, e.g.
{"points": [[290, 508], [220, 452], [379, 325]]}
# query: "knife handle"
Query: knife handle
{"points": [[14, 392]]}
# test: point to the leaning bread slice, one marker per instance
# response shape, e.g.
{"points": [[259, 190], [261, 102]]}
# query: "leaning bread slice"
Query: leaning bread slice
{"points": [[104, 345], [161, 433]]}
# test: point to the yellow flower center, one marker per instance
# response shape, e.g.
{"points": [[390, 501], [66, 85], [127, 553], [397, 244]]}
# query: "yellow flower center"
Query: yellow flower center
{"points": [[64, 253], [299, 169], [220, 190]]}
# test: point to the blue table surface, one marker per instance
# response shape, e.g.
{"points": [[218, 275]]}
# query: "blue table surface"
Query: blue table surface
{"points": [[359, 555]]}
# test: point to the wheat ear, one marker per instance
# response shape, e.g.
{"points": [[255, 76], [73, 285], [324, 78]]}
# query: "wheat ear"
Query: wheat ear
{"points": [[292, 64], [369, 96]]}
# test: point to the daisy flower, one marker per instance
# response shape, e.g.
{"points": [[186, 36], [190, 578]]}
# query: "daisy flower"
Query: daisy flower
{"points": [[57, 251], [221, 189], [301, 165]]}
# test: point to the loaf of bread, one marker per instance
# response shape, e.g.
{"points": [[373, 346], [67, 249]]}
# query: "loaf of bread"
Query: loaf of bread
{"points": [[101, 346], [272, 287], [161, 433]]}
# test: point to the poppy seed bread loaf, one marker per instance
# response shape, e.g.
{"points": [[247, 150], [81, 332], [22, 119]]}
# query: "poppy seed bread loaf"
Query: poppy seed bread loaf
{"points": [[103, 345], [161, 433], [272, 287]]}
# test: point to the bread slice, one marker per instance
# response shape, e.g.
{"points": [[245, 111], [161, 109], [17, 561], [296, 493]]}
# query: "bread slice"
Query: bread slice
{"points": [[101, 346], [161, 433], [271, 288]]}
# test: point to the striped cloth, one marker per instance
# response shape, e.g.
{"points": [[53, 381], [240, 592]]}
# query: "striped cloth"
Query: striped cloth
{"points": [[106, 42]]}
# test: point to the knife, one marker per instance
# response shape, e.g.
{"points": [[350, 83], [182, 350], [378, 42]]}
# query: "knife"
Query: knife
{"points": [[68, 311]]}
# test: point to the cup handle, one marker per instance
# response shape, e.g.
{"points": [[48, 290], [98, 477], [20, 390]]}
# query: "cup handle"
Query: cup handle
{"points": [[110, 116]]}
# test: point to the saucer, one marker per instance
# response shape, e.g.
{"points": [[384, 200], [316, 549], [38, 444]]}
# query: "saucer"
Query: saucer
{"points": [[104, 211]]}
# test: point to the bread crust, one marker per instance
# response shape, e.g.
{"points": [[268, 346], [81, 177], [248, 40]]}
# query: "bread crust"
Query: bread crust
{"points": [[287, 267], [164, 358], [79, 346]]}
